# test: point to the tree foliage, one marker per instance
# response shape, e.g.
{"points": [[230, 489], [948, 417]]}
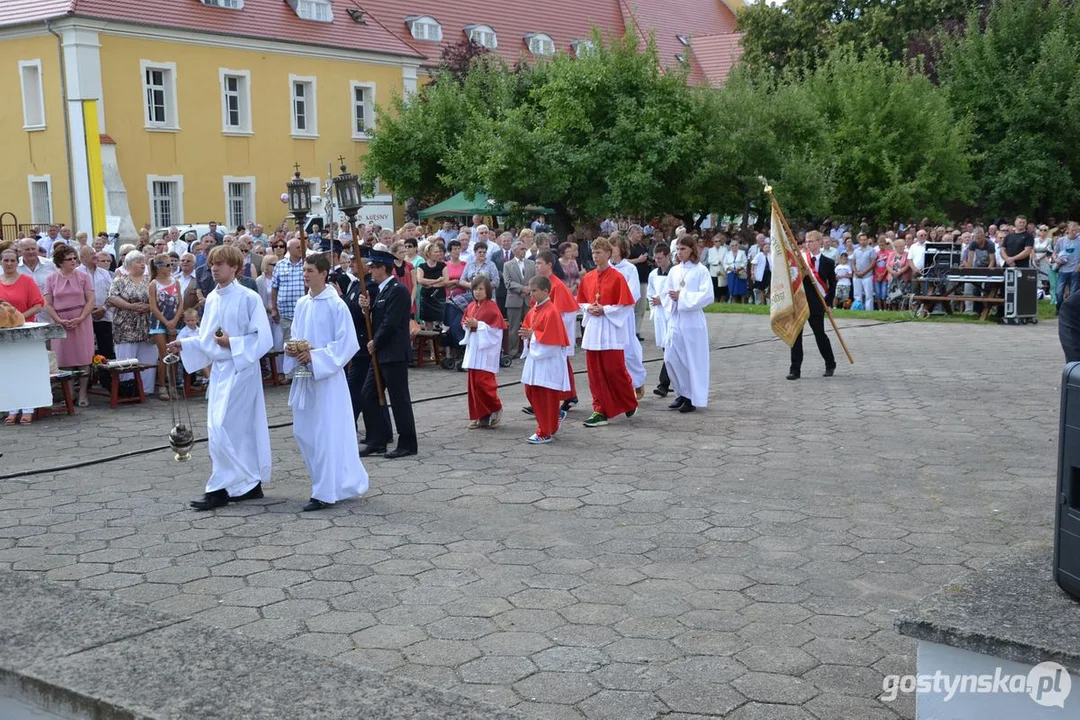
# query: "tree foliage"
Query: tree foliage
{"points": [[1018, 80], [800, 34]]}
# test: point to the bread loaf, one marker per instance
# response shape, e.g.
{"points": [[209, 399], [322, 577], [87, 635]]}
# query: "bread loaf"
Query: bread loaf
{"points": [[9, 316]]}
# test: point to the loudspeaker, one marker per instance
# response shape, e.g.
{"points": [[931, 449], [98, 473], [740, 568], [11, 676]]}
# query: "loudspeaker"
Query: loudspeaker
{"points": [[1067, 516]]}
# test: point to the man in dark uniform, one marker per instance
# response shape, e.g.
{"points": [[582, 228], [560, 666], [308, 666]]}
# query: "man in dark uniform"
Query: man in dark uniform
{"points": [[825, 270], [391, 345], [358, 367], [1069, 327]]}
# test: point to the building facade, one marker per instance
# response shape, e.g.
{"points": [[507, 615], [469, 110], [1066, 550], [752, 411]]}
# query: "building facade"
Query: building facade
{"points": [[164, 112]]}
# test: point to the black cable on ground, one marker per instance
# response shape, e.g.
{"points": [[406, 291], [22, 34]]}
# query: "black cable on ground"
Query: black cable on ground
{"points": [[433, 398]]}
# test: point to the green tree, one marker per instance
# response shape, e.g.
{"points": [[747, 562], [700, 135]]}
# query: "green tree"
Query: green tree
{"points": [[895, 147], [1018, 81], [800, 34]]}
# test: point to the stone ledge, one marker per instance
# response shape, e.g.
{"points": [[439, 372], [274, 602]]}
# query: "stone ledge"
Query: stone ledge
{"points": [[1011, 609], [32, 331], [84, 654]]}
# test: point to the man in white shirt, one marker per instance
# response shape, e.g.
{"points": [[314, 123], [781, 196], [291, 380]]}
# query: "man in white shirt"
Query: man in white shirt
{"points": [[51, 237], [761, 264], [174, 244], [448, 232], [37, 267], [186, 276], [917, 252]]}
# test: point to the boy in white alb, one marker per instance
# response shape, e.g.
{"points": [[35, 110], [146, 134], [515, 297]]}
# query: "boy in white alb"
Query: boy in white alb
{"points": [[234, 335], [545, 376]]}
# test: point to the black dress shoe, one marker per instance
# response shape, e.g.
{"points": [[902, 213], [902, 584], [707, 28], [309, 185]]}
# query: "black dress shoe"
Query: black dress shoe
{"points": [[687, 407], [254, 493], [314, 504], [793, 376], [528, 410], [661, 391], [367, 450], [829, 371], [679, 402], [212, 500], [398, 453]]}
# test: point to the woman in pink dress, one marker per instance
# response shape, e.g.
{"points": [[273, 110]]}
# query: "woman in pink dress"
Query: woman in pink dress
{"points": [[69, 300]]}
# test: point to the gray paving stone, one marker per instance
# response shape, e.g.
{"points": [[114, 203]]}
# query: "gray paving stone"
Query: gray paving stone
{"points": [[697, 697], [556, 687], [774, 688], [496, 670]]}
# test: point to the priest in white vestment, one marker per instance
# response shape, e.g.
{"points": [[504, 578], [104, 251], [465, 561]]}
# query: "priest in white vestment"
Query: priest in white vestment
{"points": [[631, 345], [322, 417], [233, 336], [686, 347]]}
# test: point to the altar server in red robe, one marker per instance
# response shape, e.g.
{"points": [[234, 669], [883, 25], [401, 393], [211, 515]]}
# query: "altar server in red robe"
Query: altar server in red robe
{"points": [[484, 326], [545, 375], [605, 298]]}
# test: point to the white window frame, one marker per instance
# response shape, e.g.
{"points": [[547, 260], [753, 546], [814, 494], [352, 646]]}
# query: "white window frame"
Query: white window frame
{"points": [[226, 4], [311, 107], [227, 180], [582, 47], [482, 30], [27, 101], [305, 10], [30, 181], [424, 21], [369, 109], [178, 204], [172, 112], [544, 41], [244, 100]]}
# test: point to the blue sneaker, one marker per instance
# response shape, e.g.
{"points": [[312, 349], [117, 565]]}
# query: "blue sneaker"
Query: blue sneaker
{"points": [[562, 416], [538, 439]]}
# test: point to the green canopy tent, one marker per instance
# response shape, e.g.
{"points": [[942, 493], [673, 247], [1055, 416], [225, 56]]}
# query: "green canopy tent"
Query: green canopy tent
{"points": [[478, 205]]}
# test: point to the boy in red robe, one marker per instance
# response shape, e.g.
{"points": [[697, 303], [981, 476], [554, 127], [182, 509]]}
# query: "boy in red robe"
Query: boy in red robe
{"points": [[484, 326], [568, 308], [544, 376], [608, 305]]}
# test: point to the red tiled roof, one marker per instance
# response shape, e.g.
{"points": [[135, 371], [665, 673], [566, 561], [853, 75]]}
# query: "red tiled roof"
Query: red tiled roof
{"points": [[259, 19], [717, 54], [564, 20], [666, 21]]}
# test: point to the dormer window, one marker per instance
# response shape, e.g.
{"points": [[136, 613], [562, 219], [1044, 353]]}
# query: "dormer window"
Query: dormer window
{"points": [[229, 4], [685, 40], [581, 47], [316, 10], [482, 35], [681, 58], [424, 28], [540, 44]]}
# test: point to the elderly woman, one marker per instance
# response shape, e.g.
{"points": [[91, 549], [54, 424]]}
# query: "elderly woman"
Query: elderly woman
{"points": [[124, 250], [735, 269], [22, 293], [69, 300], [130, 295], [263, 283], [568, 254]]}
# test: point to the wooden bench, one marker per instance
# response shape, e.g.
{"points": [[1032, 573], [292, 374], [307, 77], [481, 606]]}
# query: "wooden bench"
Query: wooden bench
{"points": [[268, 367], [114, 385], [424, 339], [64, 379]]}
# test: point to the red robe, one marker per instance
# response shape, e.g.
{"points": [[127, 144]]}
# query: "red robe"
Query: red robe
{"points": [[564, 302], [548, 329], [609, 381], [482, 384]]}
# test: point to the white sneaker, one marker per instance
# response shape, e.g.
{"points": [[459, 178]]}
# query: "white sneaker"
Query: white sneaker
{"points": [[495, 418], [538, 439]]}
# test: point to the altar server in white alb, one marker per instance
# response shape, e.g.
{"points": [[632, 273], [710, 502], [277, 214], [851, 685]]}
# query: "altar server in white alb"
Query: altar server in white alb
{"points": [[233, 336], [686, 346], [322, 416], [657, 286], [620, 247]]}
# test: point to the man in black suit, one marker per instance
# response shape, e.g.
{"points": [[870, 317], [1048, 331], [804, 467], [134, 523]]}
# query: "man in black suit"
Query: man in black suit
{"points": [[390, 344], [358, 367], [825, 270]]}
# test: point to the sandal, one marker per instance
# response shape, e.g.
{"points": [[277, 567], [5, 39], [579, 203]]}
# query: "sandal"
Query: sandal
{"points": [[84, 403], [26, 419], [163, 394], [11, 419]]}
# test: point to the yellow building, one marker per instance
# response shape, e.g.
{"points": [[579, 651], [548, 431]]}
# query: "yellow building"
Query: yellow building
{"points": [[184, 111], [125, 112]]}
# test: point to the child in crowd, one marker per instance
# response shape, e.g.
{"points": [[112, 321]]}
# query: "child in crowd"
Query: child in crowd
{"points": [[843, 282], [191, 329]]}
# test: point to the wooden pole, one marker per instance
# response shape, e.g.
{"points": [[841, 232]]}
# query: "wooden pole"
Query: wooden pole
{"points": [[360, 269], [804, 270]]}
